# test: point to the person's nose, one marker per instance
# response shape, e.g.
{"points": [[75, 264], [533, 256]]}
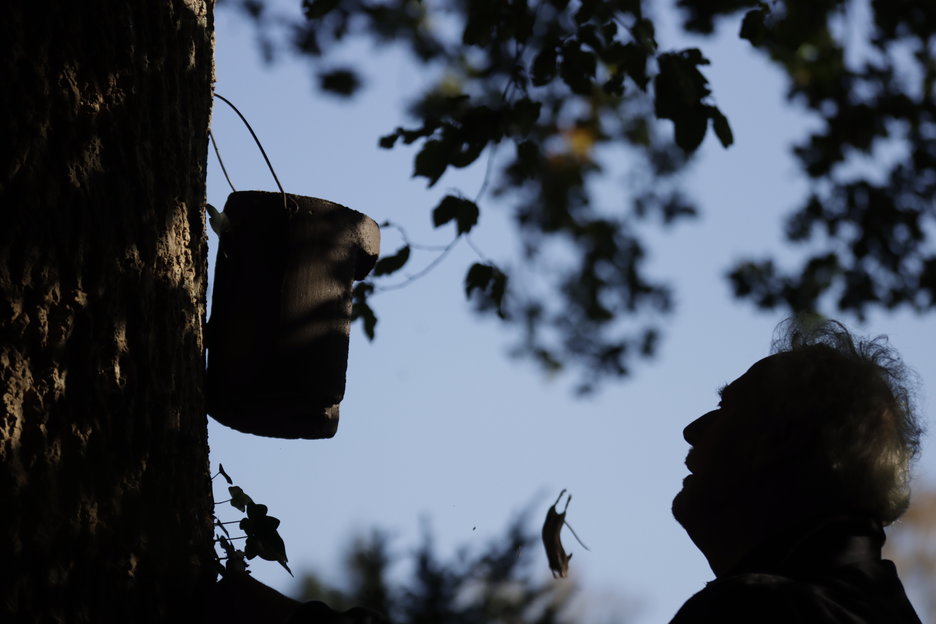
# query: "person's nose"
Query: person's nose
{"points": [[695, 430]]}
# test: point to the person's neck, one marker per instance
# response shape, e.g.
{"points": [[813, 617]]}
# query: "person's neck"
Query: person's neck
{"points": [[812, 545]]}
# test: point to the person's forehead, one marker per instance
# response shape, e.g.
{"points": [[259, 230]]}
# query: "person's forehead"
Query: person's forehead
{"points": [[766, 373]]}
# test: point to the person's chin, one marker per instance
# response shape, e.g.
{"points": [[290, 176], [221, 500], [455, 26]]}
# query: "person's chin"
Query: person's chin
{"points": [[682, 501], [692, 502]]}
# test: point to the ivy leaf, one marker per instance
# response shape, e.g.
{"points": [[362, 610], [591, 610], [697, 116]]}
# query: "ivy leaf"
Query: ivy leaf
{"points": [[263, 539], [256, 511], [223, 528], [239, 499], [224, 474], [463, 211], [226, 546], [392, 264]]}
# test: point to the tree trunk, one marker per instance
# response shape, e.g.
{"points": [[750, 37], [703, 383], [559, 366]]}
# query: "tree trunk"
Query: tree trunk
{"points": [[104, 478]]}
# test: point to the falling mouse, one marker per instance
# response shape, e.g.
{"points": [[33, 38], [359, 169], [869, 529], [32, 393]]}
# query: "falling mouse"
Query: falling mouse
{"points": [[558, 559]]}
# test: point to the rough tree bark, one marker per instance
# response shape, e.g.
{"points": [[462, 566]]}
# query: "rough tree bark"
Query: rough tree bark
{"points": [[105, 498]]}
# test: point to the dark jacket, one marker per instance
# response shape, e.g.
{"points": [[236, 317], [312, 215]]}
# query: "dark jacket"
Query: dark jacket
{"points": [[833, 575]]}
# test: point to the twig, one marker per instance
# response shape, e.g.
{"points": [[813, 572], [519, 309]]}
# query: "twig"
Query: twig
{"points": [[427, 269]]}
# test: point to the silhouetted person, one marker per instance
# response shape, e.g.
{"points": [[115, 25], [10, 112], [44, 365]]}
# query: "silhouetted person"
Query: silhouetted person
{"points": [[792, 480]]}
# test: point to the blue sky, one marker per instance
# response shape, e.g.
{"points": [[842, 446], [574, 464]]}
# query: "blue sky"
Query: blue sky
{"points": [[437, 422]]}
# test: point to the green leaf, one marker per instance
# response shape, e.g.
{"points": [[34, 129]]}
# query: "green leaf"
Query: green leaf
{"points": [[361, 310], [721, 127], [388, 140], [614, 85], [478, 277], [586, 11], [543, 70], [590, 37], [392, 264], [490, 283], [315, 9], [370, 322], [250, 548], [431, 161], [256, 511], [226, 546], [269, 546], [263, 539], [679, 85], [239, 499], [224, 474], [633, 60], [680, 89], [690, 129], [342, 81], [577, 67], [752, 26], [524, 114], [645, 35], [218, 221], [528, 160], [463, 211]]}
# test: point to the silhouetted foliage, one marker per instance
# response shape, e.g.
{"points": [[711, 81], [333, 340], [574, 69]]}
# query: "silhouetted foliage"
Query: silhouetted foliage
{"points": [[558, 81], [496, 584], [869, 82]]}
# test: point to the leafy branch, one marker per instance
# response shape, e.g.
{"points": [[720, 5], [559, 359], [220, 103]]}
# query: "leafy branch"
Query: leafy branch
{"points": [[260, 531]]}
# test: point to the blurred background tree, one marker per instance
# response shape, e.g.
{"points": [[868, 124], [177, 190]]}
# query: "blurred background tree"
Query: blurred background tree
{"points": [[911, 544], [503, 583]]}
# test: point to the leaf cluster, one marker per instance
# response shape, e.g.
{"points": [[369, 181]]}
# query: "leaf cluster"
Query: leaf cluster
{"points": [[559, 82], [260, 530], [870, 87]]}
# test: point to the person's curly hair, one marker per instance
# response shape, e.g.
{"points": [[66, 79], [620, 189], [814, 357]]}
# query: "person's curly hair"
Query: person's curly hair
{"points": [[858, 397]]}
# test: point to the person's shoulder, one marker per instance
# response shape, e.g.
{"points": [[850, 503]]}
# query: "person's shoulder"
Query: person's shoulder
{"points": [[763, 598]]}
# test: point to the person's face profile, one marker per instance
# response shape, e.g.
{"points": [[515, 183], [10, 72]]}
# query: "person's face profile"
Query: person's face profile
{"points": [[726, 449]]}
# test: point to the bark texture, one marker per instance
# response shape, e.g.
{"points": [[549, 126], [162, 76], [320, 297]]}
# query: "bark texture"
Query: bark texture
{"points": [[104, 479]]}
